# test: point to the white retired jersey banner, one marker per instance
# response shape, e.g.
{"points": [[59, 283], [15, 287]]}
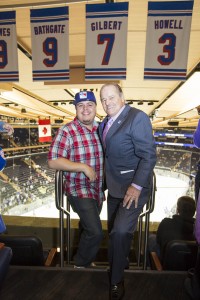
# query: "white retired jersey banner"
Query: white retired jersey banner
{"points": [[106, 41], [167, 40], [50, 46], [8, 47]]}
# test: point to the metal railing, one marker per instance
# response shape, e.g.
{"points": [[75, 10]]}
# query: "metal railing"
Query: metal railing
{"points": [[146, 214], [59, 200]]}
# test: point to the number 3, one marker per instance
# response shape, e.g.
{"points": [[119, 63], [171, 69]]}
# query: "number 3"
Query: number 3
{"points": [[169, 48]]}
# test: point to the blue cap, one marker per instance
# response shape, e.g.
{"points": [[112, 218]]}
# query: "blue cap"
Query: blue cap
{"points": [[84, 96]]}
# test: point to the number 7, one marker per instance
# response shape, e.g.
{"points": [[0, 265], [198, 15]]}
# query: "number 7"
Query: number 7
{"points": [[109, 38]]}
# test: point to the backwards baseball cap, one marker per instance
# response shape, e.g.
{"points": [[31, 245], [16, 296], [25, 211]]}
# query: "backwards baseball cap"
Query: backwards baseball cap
{"points": [[84, 96]]}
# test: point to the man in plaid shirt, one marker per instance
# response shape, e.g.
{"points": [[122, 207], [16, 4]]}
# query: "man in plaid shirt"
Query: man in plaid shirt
{"points": [[76, 149]]}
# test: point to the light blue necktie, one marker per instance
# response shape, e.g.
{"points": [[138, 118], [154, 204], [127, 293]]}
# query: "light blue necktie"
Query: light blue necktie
{"points": [[107, 127]]}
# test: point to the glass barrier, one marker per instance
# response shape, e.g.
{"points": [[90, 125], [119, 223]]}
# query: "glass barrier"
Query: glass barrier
{"points": [[27, 184]]}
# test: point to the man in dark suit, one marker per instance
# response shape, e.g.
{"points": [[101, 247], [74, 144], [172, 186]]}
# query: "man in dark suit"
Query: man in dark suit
{"points": [[130, 157]]}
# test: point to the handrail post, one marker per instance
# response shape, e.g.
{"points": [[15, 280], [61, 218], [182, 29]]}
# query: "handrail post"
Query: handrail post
{"points": [[61, 220], [146, 241], [68, 233], [149, 210], [59, 196], [139, 241]]}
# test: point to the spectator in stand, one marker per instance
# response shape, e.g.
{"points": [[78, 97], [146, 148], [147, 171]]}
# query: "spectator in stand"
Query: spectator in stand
{"points": [[6, 127], [179, 227], [192, 283]]}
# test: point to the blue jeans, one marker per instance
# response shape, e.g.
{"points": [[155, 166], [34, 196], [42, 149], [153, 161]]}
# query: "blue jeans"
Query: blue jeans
{"points": [[88, 211]]}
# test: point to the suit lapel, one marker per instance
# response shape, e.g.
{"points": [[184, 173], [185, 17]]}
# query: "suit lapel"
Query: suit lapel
{"points": [[117, 124]]}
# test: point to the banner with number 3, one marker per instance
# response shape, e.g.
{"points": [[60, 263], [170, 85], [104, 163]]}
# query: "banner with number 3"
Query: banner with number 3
{"points": [[167, 40], [106, 41]]}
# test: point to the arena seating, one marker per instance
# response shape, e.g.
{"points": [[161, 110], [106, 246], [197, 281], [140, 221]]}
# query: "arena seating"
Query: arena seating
{"points": [[5, 257], [28, 250], [179, 256]]}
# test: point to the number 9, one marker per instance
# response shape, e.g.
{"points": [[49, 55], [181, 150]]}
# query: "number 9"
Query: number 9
{"points": [[50, 48]]}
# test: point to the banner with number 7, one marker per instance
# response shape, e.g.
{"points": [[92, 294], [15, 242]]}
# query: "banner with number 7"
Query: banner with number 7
{"points": [[106, 41]]}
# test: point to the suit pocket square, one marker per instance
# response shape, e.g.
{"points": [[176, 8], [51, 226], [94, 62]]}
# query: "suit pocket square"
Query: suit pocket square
{"points": [[127, 171]]}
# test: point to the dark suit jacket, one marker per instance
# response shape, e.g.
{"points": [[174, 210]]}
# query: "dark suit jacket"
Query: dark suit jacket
{"points": [[130, 153]]}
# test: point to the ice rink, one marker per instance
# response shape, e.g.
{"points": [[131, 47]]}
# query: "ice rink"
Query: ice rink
{"points": [[168, 190]]}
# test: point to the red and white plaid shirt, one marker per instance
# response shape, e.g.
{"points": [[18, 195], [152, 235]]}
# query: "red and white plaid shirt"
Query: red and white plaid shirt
{"points": [[79, 144]]}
